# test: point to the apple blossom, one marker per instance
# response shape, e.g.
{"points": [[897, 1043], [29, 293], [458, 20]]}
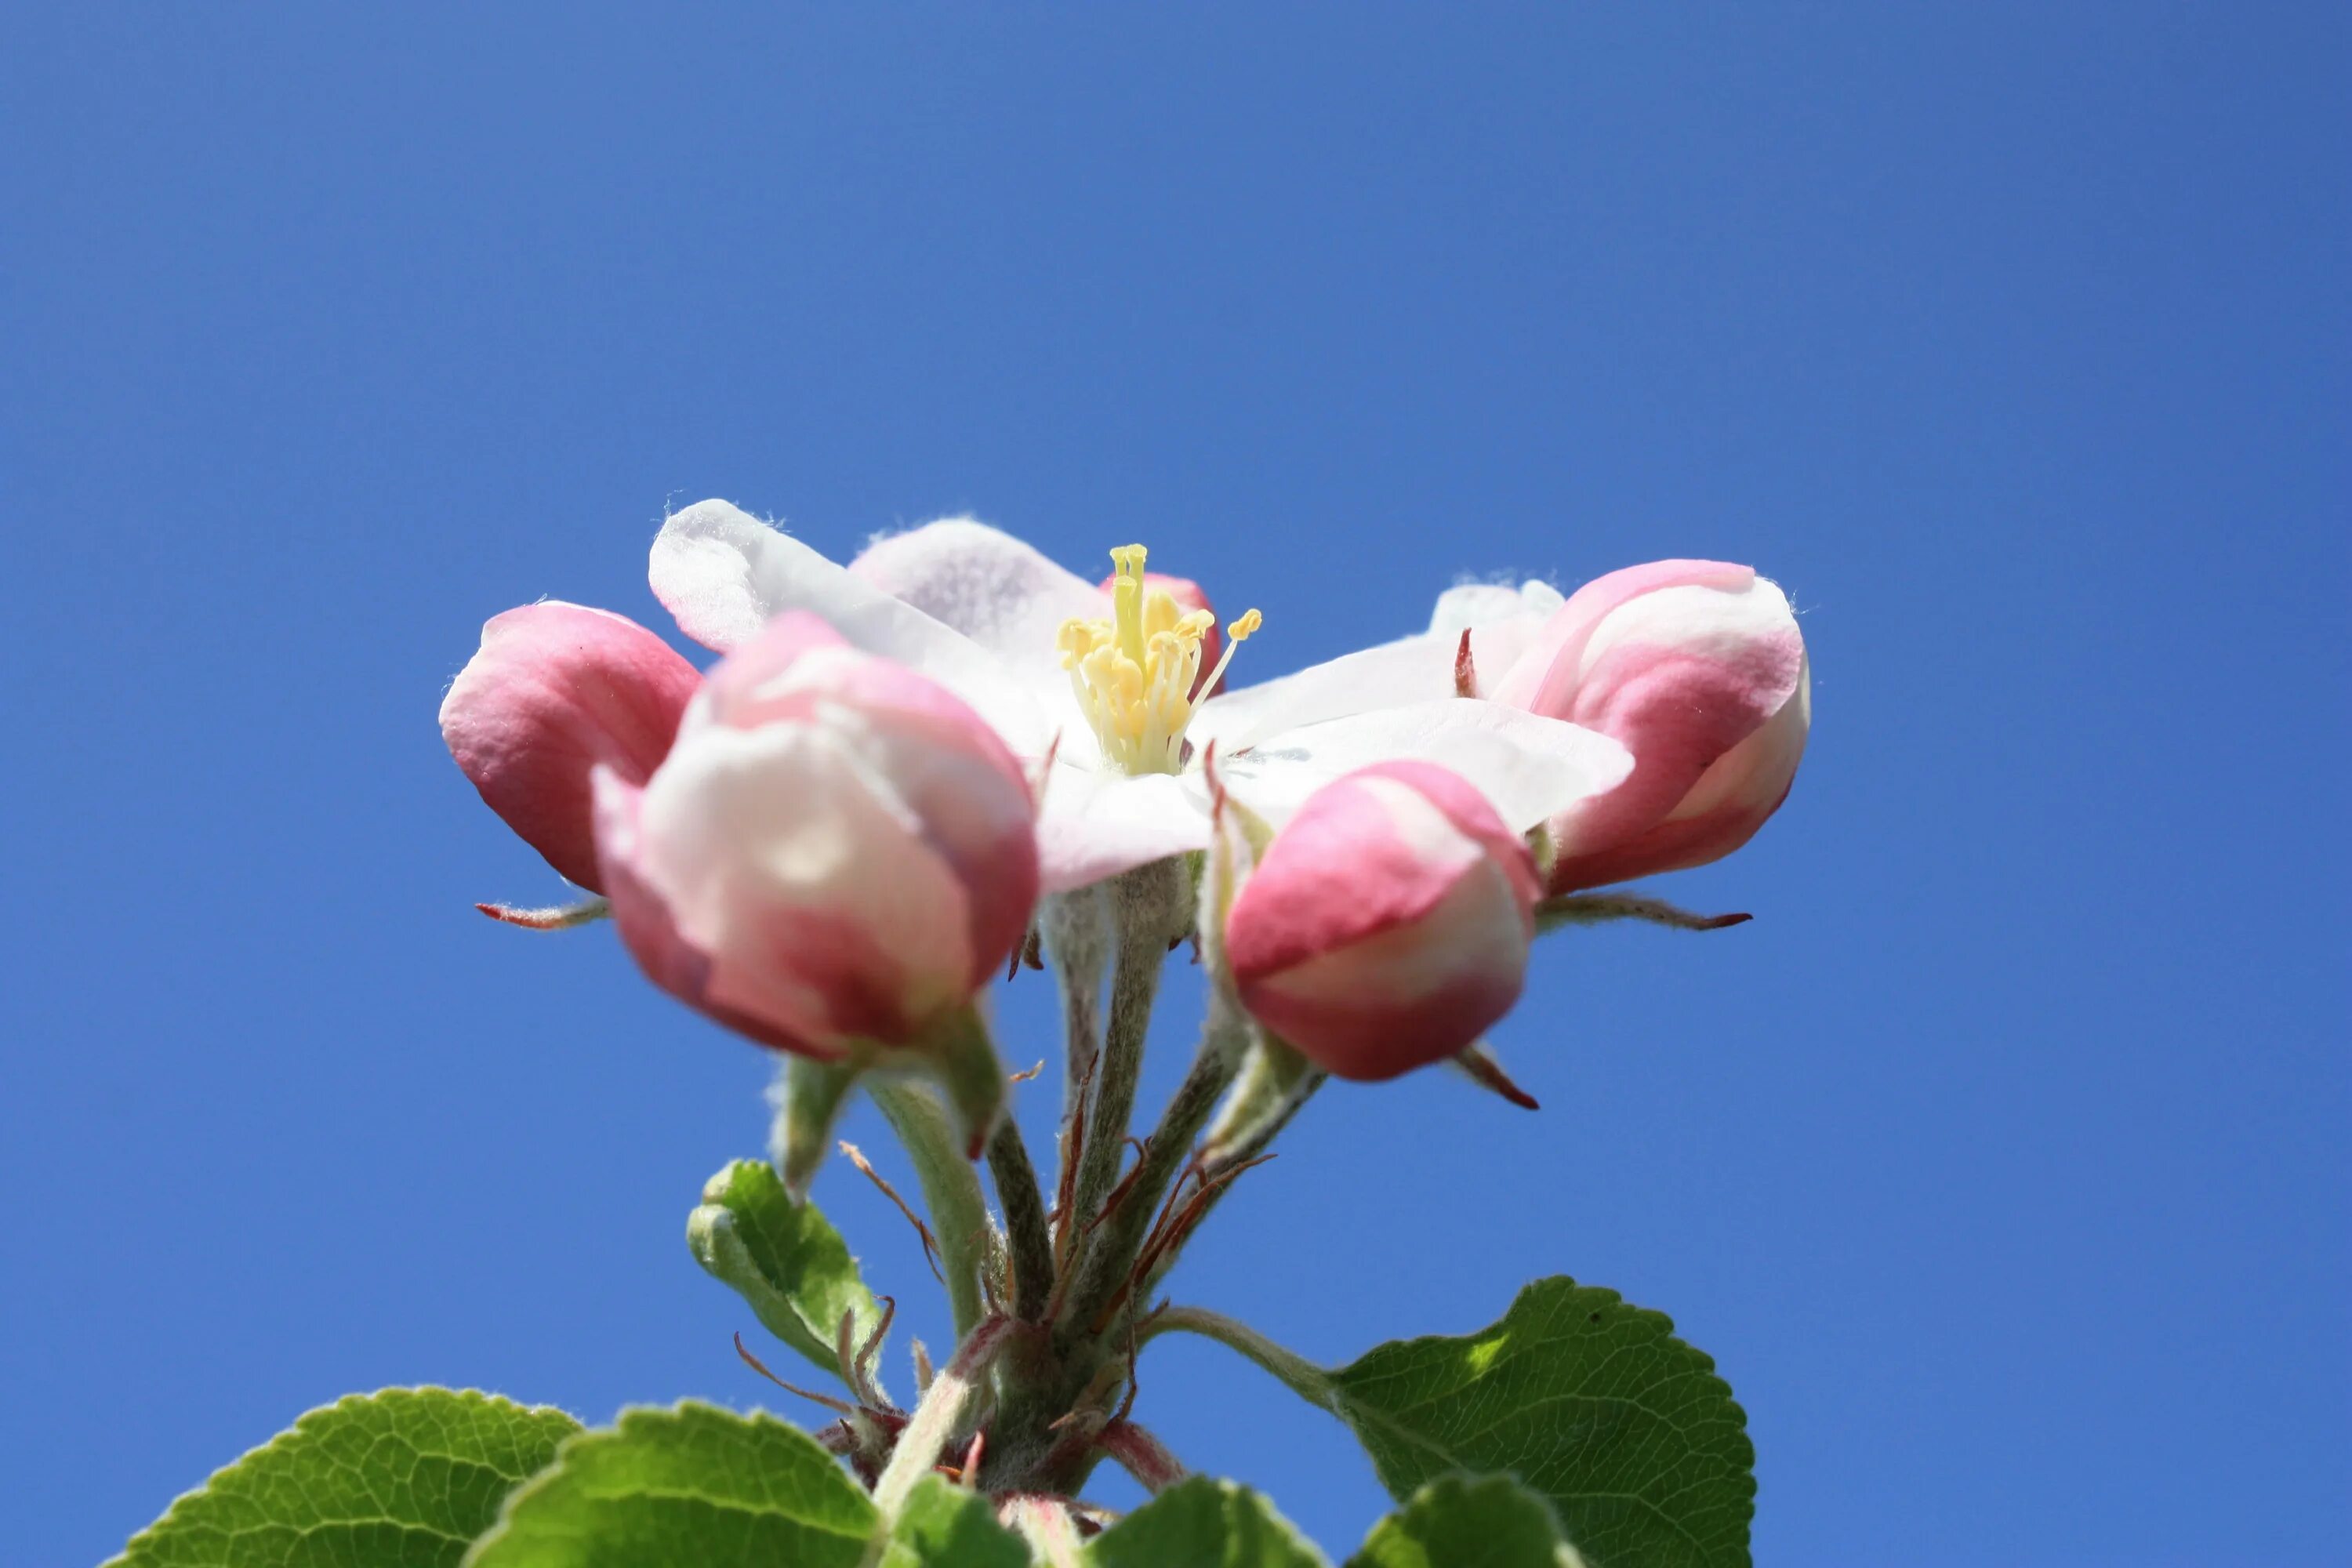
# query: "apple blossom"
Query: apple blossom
{"points": [[1119, 690], [1387, 925], [1696, 667], [556, 690], [835, 853]]}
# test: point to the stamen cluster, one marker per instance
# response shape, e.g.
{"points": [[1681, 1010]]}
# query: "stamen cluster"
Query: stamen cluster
{"points": [[1135, 675]]}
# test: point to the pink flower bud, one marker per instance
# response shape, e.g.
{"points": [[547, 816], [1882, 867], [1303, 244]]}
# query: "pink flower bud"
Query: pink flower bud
{"points": [[558, 689], [1387, 925], [1697, 668], [835, 849]]}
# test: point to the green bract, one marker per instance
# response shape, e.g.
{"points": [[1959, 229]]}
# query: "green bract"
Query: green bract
{"points": [[785, 1260]]}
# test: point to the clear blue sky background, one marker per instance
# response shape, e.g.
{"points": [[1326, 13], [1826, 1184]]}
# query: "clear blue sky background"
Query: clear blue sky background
{"points": [[2000, 1162]]}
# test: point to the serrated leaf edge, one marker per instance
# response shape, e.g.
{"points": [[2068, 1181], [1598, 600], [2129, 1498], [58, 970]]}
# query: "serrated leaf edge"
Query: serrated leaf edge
{"points": [[296, 1431], [639, 1415]]}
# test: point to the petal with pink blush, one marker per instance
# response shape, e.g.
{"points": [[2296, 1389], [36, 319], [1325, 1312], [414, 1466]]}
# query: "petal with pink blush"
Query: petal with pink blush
{"points": [[556, 691], [724, 575], [1699, 671], [651, 935], [1003, 593], [1550, 668], [1387, 925], [837, 850]]}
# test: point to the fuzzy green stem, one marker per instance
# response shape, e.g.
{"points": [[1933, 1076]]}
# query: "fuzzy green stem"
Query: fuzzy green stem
{"points": [[1076, 927], [1111, 1256], [1025, 1225], [934, 1419], [1143, 900], [950, 1190], [1301, 1376], [1241, 1153]]}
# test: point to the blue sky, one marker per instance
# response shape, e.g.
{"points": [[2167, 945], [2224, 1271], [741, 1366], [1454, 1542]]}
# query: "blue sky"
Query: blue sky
{"points": [[2000, 1162]]}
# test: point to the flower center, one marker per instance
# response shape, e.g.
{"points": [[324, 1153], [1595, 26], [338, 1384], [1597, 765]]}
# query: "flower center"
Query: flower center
{"points": [[1135, 674]]}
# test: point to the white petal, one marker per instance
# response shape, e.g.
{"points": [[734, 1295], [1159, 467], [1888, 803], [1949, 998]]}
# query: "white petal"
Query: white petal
{"points": [[1530, 768], [723, 572], [1411, 669], [1094, 824], [1469, 604], [995, 589]]}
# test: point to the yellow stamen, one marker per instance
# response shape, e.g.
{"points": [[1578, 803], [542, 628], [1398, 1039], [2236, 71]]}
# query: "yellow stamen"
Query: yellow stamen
{"points": [[1136, 674], [1236, 635]]}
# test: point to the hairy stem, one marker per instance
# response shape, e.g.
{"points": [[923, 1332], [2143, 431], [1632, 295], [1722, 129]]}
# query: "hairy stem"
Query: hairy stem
{"points": [[1141, 1455], [1110, 1256], [1145, 900], [1213, 1191], [934, 1419], [1025, 1225], [1301, 1376], [950, 1190], [1077, 930]]}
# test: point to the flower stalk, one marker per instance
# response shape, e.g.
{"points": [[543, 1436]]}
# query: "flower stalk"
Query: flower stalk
{"points": [[950, 1190]]}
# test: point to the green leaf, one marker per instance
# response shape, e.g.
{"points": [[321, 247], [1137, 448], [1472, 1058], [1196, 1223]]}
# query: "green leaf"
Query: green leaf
{"points": [[1457, 1521], [784, 1259], [947, 1526], [402, 1478], [1624, 1429], [689, 1485], [1204, 1523]]}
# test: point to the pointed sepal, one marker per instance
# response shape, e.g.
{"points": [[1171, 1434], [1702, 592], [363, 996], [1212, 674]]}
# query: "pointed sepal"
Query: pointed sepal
{"points": [[810, 1097], [1477, 1063], [556, 917], [959, 1055], [1273, 1082], [1598, 908], [1237, 837]]}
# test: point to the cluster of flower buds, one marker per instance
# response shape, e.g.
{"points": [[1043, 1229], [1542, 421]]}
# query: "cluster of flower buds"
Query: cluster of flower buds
{"points": [[832, 840], [831, 851]]}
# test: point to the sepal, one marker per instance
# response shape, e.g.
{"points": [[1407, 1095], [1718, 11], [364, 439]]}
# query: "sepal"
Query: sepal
{"points": [[1478, 1064], [810, 1097], [959, 1055], [1273, 1082], [1600, 909], [1237, 837], [556, 917]]}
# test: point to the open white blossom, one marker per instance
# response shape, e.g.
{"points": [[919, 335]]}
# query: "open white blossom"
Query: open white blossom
{"points": [[1108, 684]]}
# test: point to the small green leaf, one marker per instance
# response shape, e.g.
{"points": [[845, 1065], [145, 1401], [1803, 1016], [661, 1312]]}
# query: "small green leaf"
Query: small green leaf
{"points": [[784, 1259], [1457, 1522], [689, 1485], [1624, 1429], [402, 1478], [946, 1526], [1204, 1523]]}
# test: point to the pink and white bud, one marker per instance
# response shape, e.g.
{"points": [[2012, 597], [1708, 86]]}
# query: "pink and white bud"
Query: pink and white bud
{"points": [[557, 690], [836, 850], [1698, 669], [1387, 925]]}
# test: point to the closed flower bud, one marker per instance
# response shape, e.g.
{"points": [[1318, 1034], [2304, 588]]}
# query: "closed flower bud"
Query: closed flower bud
{"points": [[1387, 924], [836, 852], [1696, 668], [556, 691]]}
